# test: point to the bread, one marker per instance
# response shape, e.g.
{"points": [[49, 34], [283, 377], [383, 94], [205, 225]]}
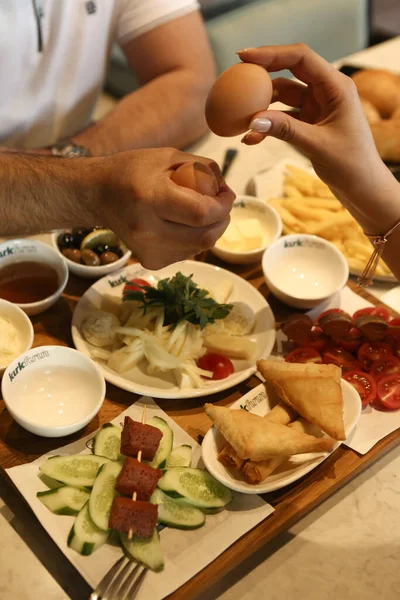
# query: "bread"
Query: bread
{"points": [[370, 111], [387, 139], [381, 88]]}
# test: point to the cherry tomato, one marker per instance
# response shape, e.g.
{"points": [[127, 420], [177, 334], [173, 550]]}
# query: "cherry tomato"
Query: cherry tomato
{"points": [[375, 311], [370, 352], [318, 340], [134, 285], [220, 366], [385, 366], [304, 355], [352, 341], [341, 358], [363, 383], [394, 322], [393, 332], [388, 391]]}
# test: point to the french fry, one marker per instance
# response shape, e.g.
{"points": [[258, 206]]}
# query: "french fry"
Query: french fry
{"points": [[340, 219], [291, 190], [325, 203], [302, 212]]}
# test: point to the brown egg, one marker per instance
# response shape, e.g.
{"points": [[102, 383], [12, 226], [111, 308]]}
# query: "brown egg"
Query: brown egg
{"points": [[380, 87], [237, 95], [196, 176]]}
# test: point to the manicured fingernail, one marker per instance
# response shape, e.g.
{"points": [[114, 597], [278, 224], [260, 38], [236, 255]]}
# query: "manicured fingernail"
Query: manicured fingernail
{"points": [[260, 125], [244, 50]]}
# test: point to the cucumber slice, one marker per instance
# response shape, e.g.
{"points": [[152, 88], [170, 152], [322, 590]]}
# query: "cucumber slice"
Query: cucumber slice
{"points": [[181, 456], [177, 513], [84, 536], [146, 551], [78, 470], [65, 500], [103, 494], [198, 487], [165, 447], [107, 441]]}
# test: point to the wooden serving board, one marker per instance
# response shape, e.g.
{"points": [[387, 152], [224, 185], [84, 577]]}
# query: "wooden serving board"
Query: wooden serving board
{"points": [[18, 446]]}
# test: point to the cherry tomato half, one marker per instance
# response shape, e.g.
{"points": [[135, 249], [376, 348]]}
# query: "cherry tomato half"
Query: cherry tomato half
{"points": [[370, 352], [318, 340], [394, 322], [134, 285], [385, 366], [352, 341], [375, 311], [220, 366], [341, 358], [388, 391], [304, 355], [363, 383]]}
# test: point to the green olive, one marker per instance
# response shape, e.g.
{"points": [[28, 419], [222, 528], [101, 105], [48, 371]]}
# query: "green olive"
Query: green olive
{"points": [[107, 258], [90, 258], [72, 254]]}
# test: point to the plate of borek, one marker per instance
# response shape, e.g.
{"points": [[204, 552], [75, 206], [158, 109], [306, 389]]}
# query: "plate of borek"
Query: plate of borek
{"points": [[282, 429], [188, 330]]}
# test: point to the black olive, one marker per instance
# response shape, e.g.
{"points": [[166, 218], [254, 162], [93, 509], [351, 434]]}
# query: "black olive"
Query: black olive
{"points": [[66, 240], [79, 233], [101, 248]]}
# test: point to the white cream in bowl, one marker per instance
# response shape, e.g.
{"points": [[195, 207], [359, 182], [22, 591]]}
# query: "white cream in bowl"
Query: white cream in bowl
{"points": [[53, 391]]}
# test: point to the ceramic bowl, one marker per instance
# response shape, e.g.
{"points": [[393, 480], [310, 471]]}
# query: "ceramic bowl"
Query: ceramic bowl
{"points": [[22, 250], [304, 270], [53, 391], [23, 328], [90, 272], [247, 207]]}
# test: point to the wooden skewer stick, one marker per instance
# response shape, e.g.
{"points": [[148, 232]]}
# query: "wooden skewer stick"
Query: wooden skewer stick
{"points": [[139, 458]]}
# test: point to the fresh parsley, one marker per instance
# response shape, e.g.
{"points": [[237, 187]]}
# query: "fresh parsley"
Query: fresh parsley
{"points": [[181, 299]]}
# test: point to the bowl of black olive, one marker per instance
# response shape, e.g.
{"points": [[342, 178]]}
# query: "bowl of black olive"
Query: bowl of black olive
{"points": [[91, 253]]}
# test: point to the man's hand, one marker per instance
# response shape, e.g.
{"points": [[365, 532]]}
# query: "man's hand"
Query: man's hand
{"points": [[159, 221]]}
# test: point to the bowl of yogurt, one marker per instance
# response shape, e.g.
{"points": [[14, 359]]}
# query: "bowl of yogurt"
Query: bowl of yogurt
{"points": [[254, 226], [16, 333], [304, 270], [53, 391]]}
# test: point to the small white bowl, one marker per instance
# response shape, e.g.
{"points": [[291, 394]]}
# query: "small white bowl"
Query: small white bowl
{"points": [[304, 270], [22, 250], [53, 391], [22, 324], [271, 224], [86, 271]]}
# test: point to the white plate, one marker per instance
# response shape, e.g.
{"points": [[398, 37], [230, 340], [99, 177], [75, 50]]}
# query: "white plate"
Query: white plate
{"points": [[257, 402], [205, 275], [269, 184]]}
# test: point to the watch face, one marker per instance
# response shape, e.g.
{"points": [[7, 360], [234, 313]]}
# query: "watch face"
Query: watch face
{"points": [[70, 150]]}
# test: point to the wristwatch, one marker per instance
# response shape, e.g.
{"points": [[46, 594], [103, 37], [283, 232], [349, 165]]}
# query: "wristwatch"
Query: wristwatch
{"points": [[68, 149]]}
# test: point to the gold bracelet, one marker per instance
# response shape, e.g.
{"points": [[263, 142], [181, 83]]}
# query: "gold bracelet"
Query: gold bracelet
{"points": [[378, 242]]}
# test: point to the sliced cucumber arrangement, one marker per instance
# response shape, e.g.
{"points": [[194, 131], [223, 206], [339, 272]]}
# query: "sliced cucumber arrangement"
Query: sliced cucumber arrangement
{"points": [[103, 494], [177, 513], [85, 537], [65, 500], [165, 447], [78, 470], [181, 456], [198, 487], [107, 441], [145, 551]]}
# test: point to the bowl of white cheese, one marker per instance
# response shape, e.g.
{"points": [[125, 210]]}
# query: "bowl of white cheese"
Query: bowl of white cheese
{"points": [[16, 333], [254, 226]]}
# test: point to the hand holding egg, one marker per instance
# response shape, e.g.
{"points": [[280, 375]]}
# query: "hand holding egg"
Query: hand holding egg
{"points": [[238, 94], [198, 177]]}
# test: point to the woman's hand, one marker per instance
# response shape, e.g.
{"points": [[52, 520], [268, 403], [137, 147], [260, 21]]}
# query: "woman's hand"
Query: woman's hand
{"points": [[328, 122]]}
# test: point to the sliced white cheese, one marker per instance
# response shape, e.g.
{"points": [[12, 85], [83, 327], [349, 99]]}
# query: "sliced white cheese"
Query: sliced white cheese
{"points": [[251, 233]]}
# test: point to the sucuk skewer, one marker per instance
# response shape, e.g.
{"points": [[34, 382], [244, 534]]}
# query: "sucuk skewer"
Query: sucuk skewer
{"points": [[139, 459]]}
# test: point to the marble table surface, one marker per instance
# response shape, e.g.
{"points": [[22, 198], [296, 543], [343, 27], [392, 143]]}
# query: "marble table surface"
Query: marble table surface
{"points": [[346, 549]]}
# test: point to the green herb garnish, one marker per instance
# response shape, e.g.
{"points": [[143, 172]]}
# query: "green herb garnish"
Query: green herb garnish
{"points": [[181, 300]]}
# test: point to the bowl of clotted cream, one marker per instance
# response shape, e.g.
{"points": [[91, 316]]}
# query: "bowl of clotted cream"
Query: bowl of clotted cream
{"points": [[16, 333], [254, 226]]}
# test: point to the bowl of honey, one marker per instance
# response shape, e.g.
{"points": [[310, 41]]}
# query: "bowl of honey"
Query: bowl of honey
{"points": [[32, 275]]}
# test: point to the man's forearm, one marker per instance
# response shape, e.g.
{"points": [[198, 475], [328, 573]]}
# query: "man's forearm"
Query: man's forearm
{"points": [[40, 194], [168, 111]]}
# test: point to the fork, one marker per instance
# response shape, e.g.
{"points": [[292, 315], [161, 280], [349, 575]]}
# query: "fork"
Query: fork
{"points": [[121, 582]]}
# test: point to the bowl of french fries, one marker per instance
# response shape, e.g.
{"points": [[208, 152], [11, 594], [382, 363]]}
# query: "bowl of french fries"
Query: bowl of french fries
{"points": [[304, 270], [307, 205]]}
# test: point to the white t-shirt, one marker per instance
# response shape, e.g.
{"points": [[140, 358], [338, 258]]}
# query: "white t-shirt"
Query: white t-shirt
{"points": [[50, 95]]}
